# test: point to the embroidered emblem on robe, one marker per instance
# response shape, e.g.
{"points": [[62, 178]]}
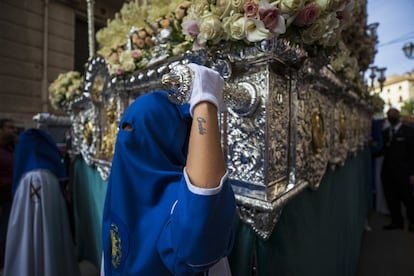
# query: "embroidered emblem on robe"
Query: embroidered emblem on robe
{"points": [[116, 246]]}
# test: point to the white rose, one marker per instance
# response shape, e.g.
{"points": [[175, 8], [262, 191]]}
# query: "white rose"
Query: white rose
{"points": [[129, 66], [291, 6], [234, 26], [222, 8], [125, 57], [256, 30], [210, 28], [199, 7], [237, 5]]}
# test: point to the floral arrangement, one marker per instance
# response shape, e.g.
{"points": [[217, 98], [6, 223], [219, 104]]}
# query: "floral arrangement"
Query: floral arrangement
{"points": [[335, 28], [65, 88], [122, 61]]}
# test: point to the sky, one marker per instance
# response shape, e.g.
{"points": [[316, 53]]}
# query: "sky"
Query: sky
{"points": [[396, 28]]}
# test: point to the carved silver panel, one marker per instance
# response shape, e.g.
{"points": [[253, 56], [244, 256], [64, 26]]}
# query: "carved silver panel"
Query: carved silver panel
{"points": [[340, 134], [288, 118], [313, 135], [256, 148]]}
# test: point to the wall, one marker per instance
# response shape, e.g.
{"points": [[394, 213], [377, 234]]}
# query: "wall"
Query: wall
{"points": [[22, 48], [21, 54]]}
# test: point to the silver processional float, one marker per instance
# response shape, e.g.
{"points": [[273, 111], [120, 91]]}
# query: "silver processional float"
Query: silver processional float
{"points": [[291, 115]]}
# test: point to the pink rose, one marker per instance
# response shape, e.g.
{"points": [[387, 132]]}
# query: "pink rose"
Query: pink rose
{"points": [[250, 9], [135, 54], [271, 18], [190, 28], [307, 16], [119, 71]]}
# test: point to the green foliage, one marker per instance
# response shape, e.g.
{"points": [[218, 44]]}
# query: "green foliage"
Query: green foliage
{"points": [[407, 107]]}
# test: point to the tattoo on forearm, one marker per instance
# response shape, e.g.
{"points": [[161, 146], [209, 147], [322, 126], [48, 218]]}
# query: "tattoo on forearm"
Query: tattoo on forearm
{"points": [[201, 129]]}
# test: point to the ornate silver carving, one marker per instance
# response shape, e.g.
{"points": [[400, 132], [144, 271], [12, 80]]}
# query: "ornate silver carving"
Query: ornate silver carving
{"points": [[288, 118], [241, 97], [178, 83], [313, 136], [339, 134]]}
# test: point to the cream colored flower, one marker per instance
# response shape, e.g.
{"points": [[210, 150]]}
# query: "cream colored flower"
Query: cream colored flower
{"points": [[237, 5], [181, 48], [222, 8], [291, 6], [66, 87], [199, 7], [210, 29], [128, 66], [235, 26], [125, 57], [256, 30]]}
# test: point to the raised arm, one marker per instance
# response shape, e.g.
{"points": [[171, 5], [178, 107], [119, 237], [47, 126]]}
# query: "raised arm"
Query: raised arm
{"points": [[205, 161]]}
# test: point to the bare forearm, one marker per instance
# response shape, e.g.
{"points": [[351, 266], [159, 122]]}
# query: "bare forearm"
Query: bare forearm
{"points": [[205, 162]]}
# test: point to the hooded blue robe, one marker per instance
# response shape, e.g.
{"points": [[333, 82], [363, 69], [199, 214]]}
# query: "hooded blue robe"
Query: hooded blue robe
{"points": [[154, 221], [39, 239]]}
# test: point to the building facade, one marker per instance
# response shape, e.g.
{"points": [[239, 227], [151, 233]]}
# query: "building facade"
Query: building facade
{"points": [[397, 90], [38, 40]]}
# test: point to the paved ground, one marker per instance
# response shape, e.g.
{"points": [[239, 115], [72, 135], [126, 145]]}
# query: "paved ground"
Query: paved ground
{"points": [[386, 253]]}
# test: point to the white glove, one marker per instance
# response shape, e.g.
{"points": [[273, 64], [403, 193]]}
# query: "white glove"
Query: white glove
{"points": [[207, 86]]}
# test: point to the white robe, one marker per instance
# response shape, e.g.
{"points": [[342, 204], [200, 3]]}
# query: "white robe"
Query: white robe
{"points": [[39, 241]]}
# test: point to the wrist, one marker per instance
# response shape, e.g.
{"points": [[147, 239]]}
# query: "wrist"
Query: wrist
{"points": [[204, 106]]}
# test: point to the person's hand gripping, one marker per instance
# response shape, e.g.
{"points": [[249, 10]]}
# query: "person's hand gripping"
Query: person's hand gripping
{"points": [[207, 85]]}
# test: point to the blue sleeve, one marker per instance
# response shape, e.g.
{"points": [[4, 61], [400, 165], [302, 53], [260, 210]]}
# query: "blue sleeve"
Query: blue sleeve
{"points": [[199, 231]]}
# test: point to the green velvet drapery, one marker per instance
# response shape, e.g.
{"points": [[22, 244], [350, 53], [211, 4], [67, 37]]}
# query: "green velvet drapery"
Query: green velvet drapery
{"points": [[89, 195], [319, 232]]}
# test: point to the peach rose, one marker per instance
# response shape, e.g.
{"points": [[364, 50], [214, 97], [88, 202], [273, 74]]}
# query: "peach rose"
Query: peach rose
{"points": [[251, 9]]}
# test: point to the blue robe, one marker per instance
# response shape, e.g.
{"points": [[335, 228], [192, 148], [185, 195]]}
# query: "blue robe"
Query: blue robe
{"points": [[39, 239], [153, 224]]}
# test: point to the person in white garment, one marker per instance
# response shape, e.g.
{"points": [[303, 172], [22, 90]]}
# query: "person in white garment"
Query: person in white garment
{"points": [[39, 240]]}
